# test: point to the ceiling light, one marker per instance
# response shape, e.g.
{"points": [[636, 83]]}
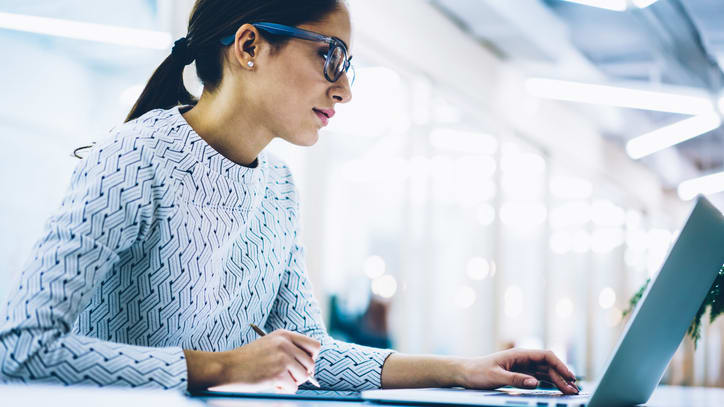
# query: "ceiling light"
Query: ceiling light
{"points": [[618, 96], [643, 3], [707, 185], [668, 136], [615, 5], [86, 31]]}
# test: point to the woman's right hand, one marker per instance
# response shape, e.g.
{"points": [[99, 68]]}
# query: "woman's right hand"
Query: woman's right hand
{"points": [[281, 360]]}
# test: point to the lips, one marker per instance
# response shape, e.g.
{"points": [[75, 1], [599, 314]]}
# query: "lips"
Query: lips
{"points": [[324, 115]]}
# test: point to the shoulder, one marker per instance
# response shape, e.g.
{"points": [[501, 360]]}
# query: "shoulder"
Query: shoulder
{"points": [[128, 149], [149, 132], [279, 178]]}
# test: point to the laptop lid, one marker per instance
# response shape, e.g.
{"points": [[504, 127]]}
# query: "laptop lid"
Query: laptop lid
{"points": [[665, 311]]}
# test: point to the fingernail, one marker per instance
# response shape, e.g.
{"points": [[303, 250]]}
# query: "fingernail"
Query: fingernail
{"points": [[574, 388], [530, 382]]}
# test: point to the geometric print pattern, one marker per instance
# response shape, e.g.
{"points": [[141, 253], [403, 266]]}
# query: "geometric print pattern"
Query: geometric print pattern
{"points": [[162, 244]]}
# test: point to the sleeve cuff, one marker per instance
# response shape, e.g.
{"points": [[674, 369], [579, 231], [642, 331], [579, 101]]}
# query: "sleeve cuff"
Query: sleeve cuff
{"points": [[347, 366]]}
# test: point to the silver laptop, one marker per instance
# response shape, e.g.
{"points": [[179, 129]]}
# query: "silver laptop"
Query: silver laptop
{"points": [[652, 334]]}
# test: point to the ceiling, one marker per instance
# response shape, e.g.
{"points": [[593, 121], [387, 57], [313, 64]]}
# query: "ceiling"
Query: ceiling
{"points": [[672, 42]]}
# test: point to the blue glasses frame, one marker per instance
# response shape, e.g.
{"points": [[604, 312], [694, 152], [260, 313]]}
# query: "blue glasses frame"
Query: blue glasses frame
{"points": [[331, 72]]}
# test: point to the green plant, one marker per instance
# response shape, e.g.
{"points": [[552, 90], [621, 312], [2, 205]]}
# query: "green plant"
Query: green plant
{"points": [[714, 301]]}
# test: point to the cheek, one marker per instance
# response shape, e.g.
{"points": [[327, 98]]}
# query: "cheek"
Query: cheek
{"points": [[297, 95], [294, 86]]}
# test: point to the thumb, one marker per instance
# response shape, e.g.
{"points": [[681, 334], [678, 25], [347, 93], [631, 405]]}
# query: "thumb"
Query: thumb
{"points": [[519, 380]]}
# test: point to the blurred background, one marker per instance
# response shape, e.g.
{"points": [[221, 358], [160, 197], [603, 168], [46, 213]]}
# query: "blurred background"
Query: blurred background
{"points": [[498, 180]]}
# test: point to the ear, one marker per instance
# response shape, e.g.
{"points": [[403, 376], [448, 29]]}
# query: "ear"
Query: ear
{"points": [[247, 45]]}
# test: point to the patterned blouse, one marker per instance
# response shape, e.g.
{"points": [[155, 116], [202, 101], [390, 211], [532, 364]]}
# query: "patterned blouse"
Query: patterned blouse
{"points": [[162, 244]]}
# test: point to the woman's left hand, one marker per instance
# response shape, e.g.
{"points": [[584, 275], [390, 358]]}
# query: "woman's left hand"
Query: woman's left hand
{"points": [[519, 368]]}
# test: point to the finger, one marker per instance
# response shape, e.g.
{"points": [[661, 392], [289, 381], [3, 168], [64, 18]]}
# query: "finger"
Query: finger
{"points": [[559, 366], [544, 379], [298, 373], [286, 384], [538, 374], [547, 357], [301, 357], [551, 377], [521, 380], [561, 383], [309, 345]]}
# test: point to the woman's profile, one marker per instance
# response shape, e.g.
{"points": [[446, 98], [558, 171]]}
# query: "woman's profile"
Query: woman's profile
{"points": [[179, 230]]}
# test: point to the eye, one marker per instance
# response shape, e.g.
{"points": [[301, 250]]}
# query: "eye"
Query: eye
{"points": [[323, 53]]}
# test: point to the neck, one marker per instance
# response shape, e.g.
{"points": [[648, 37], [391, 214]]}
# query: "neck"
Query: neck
{"points": [[218, 121]]}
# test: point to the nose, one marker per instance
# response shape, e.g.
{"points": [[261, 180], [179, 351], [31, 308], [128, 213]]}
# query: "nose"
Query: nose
{"points": [[341, 91]]}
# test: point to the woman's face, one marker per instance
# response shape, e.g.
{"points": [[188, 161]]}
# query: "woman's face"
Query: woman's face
{"points": [[290, 87]]}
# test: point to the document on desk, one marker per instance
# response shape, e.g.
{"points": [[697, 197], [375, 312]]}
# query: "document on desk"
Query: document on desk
{"points": [[302, 394]]}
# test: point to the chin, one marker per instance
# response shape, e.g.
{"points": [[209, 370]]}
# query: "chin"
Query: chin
{"points": [[305, 140]]}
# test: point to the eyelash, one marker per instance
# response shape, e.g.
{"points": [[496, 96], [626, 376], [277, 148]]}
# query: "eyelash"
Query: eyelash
{"points": [[323, 53]]}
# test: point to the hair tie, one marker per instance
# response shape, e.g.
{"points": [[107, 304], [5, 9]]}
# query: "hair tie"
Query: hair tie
{"points": [[181, 51]]}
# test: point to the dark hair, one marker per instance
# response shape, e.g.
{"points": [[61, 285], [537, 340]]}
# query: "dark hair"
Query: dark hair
{"points": [[210, 21]]}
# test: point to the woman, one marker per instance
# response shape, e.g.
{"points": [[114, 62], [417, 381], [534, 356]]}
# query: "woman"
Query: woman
{"points": [[179, 231]]}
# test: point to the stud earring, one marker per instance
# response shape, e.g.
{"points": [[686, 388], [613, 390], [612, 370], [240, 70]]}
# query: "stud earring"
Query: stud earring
{"points": [[250, 64]]}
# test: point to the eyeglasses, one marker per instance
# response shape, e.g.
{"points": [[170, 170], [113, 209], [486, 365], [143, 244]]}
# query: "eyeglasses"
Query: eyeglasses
{"points": [[336, 61]]}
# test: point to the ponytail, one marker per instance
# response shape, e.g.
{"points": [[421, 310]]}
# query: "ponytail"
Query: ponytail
{"points": [[166, 87]]}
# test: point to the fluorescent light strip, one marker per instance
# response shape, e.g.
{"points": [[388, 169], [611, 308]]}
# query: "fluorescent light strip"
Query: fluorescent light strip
{"points": [[615, 5], [643, 3], [618, 96], [86, 31], [668, 136], [707, 185]]}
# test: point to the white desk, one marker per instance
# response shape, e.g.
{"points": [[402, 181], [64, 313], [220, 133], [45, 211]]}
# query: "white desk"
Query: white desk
{"points": [[57, 396]]}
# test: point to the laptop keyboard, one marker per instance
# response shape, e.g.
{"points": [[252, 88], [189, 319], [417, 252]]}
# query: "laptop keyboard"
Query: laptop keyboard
{"points": [[558, 399], [543, 393]]}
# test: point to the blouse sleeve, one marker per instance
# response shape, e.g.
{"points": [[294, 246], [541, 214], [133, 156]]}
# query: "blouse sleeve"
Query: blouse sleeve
{"points": [[108, 207], [340, 365]]}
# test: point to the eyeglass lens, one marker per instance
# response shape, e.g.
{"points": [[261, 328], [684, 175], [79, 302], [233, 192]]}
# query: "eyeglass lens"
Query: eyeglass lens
{"points": [[336, 64]]}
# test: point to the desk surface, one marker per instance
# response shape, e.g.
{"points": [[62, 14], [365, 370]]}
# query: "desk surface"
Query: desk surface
{"points": [[664, 396], [56, 396]]}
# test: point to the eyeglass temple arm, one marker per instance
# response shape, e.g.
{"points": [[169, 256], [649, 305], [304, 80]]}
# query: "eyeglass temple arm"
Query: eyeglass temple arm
{"points": [[279, 29]]}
